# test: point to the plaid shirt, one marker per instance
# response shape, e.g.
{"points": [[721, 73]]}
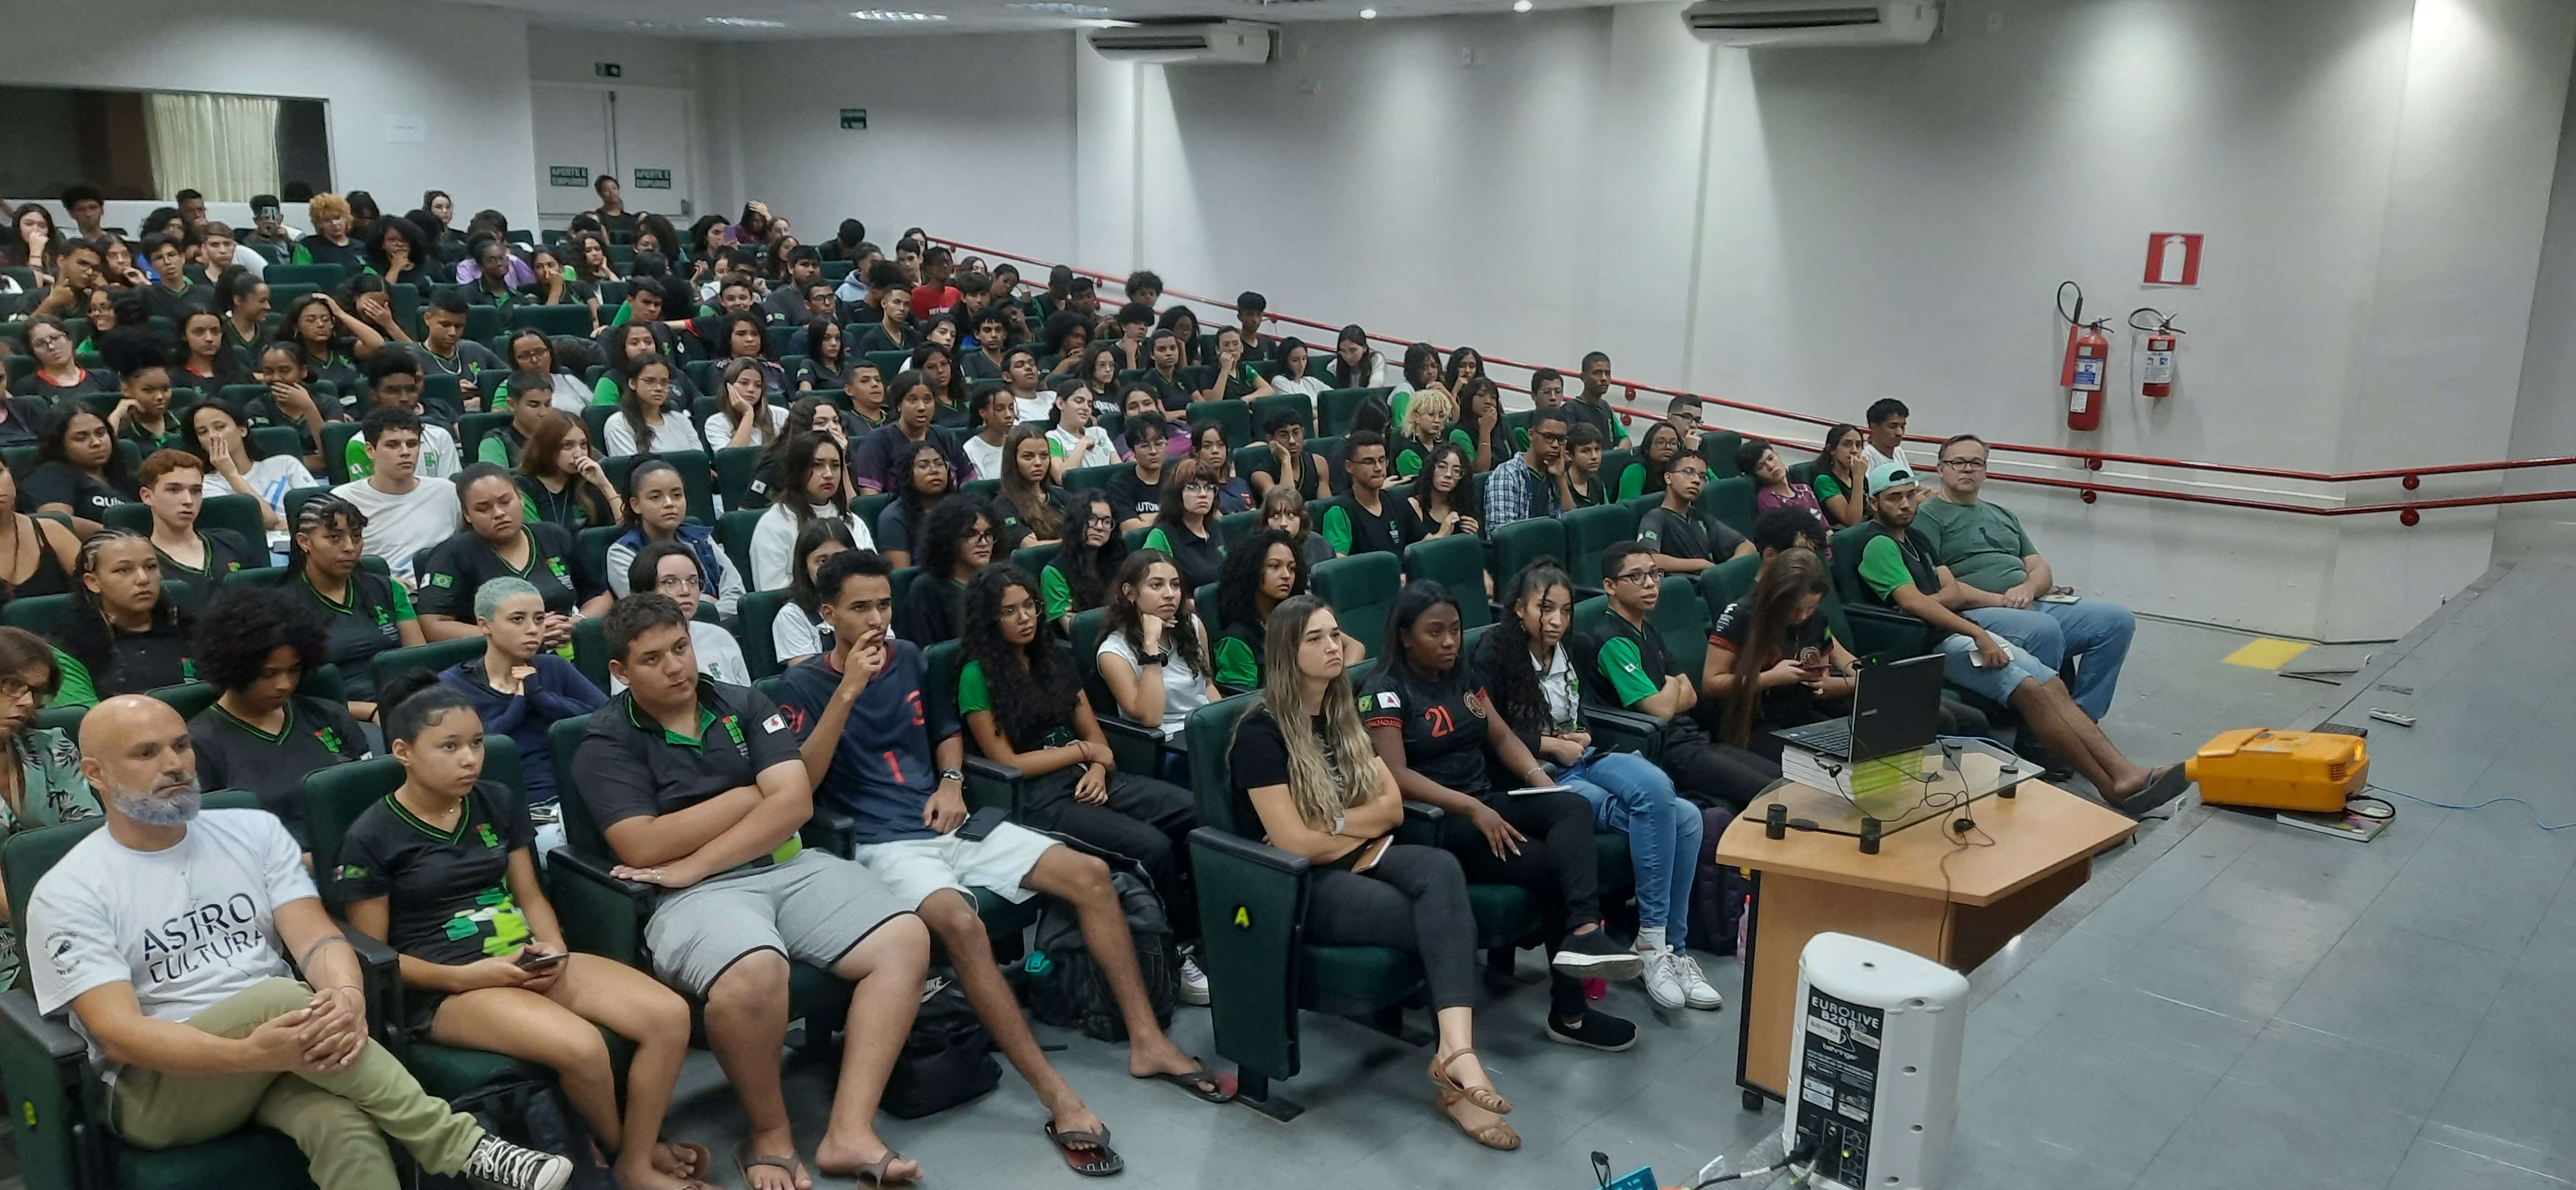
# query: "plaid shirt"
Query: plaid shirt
{"points": [[1514, 492]]}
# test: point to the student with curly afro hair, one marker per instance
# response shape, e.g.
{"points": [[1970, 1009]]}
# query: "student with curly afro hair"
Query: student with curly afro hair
{"points": [[264, 733]]}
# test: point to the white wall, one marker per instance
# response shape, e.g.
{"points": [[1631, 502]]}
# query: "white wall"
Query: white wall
{"points": [[463, 69], [1811, 230]]}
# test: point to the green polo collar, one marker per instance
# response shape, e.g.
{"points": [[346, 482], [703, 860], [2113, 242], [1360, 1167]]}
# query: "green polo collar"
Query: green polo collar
{"points": [[707, 718]]}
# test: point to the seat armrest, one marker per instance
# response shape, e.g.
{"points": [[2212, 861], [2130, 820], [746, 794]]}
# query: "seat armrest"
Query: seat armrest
{"points": [[600, 913], [380, 972], [1421, 825], [1252, 906], [1628, 731], [1236, 847], [45, 1068], [1137, 749], [832, 831], [24, 1028], [594, 869], [992, 783]]}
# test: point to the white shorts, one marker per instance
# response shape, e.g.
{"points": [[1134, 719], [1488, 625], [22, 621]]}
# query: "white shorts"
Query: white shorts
{"points": [[915, 868]]}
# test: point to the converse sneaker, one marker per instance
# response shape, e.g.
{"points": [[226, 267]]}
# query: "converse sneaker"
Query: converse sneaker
{"points": [[497, 1162], [1597, 1030], [1595, 956], [1663, 981], [1701, 994], [1194, 982]]}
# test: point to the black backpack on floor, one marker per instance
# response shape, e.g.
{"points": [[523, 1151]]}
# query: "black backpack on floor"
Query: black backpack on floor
{"points": [[948, 1059], [1063, 985]]}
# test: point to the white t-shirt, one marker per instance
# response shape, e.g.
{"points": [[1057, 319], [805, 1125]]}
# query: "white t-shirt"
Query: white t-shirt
{"points": [[571, 395], [1869, 454], [719, 427], [675, 433], [984, 457], [401, 526], [1184, 690], [1093, 449], [189, 926], [439, 458], [797, 634], [270, 479], [1309, 385], [1039, 407], [1557, 682], [773, 538], [719, 657]]}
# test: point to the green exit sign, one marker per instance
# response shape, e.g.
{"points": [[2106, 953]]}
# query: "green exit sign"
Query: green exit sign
{"points": [[854, 117], [608, 70]]}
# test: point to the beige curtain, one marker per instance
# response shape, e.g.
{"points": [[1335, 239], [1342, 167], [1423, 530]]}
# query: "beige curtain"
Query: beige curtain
{"points": [[224, 146]]}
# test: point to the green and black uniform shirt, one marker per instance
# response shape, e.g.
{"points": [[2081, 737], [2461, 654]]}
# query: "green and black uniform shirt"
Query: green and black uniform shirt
{"points": [[232, 754], [460, 565], [365, 622], [226, 553], [447, 891], [1353, 530], [635, 767], [1238, 659], [974, 694]]}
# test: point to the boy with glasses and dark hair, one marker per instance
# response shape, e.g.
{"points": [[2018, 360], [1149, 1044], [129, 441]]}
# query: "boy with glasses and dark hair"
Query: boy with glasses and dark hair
{"points": [[1637, 673], [1137, 491], [1526, 484], [1684, 537], [1366, 519]]}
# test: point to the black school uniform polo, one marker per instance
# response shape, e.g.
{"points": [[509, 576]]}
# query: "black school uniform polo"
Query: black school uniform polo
{"points": [[447, 891], [232, 754], [460, 565], [633, 767]]}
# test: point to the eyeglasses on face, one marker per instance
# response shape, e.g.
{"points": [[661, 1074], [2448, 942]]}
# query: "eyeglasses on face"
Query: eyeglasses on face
{"points": [[1645, 578], [1964, 464]]}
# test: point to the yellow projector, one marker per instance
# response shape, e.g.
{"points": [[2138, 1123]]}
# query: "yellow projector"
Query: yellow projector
{"points": [[2280, 770]]}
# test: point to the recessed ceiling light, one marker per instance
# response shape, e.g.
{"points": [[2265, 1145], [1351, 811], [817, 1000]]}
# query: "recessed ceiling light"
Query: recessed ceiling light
{"points": [[1521, 5], [746, 22], [887, 14], [1368, 14], [1056, 8]]}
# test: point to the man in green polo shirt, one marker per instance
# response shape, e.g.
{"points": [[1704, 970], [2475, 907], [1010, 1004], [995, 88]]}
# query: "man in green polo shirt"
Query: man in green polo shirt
{"points": [[2010, 589], [700, 788]]}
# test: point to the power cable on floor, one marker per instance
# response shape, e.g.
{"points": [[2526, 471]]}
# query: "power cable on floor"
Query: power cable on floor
{"points": [[2535, 810]]}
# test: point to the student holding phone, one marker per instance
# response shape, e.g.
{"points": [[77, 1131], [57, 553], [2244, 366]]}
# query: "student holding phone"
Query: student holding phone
{"points": [[442, 870], [1431, 719]]}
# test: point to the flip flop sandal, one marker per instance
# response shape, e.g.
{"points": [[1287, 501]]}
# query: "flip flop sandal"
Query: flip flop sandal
{"points": [[744, 1159], [1096, 1161], [873, 1173], [1200, 1084], [2159, 791]]}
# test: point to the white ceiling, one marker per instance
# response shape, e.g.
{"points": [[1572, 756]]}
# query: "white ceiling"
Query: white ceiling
{"points": [[783, 19]]}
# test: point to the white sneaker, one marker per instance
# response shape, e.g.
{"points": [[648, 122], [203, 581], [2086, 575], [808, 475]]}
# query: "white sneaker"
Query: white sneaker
{"points": [[1699, 993], [1663, 980], [497, 1162], [1194, 982]]}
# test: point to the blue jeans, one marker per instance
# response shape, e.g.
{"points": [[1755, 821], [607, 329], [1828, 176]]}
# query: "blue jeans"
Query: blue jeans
{"points": [[1633, 797], [2095, 630]]}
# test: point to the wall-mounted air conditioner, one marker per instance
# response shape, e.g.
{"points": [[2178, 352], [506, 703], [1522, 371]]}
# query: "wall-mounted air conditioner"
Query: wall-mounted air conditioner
{"points": [[1235, 43], [1773, 24]]}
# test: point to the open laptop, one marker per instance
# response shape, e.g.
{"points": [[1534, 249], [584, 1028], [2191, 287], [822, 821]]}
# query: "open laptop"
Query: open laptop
{"points": [[1895, 709]]}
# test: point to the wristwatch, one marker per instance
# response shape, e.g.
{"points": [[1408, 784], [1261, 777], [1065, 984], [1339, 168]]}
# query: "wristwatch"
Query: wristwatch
{"points": [[956, 775], [1161, 658]]}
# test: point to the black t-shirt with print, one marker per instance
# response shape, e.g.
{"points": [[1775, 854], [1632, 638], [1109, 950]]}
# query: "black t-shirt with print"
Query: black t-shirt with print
{"points": [[1131, 497], [232, 754], [460, 565], [1444, 727], [447, 893], [59, 482]]}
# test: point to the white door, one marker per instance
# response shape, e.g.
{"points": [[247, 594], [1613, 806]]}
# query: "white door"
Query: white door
{"points": [[652, 151], [576, 142]]}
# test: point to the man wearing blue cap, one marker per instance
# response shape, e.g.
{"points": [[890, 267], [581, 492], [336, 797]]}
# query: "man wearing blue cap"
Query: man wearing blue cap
{"points": [[1897, 567]]}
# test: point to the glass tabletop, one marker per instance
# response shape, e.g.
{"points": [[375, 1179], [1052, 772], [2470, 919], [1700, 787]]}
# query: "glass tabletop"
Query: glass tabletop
{"points": [[1900, 792]]}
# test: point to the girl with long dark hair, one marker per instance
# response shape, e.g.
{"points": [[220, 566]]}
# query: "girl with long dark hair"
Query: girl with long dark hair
{"points": [[1032, 507], [1153, 657], [1355, 363], [812, 414], [329, 341], [368, 613], [799, 630], [1263, 571], [1645, 477], [1841, 479], [1780, 657], [564, 484], [657, 504], [922, 480], [209, 363], [1430, 720], [1307, 780], [1021, 696], [1215, 457], [1442, 499], [744, 416], [213, 430], [812, 485], [79, 472], [121, 637], [1531, 676], [1296, 370], [827, 358], [1283, 510], [957, 543], [1480, 419], [1078, 577], [648, 420]]}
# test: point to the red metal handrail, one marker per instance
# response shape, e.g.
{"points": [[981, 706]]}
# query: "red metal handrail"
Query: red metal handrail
{"points": [[2411, 477]]}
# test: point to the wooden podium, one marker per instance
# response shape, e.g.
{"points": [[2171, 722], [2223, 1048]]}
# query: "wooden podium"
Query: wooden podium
{"points": [[1955, 898]]}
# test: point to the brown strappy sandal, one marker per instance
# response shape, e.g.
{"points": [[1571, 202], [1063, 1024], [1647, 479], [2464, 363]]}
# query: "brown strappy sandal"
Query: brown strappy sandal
{"points": [[1497, 1135], [1484, 1097]]}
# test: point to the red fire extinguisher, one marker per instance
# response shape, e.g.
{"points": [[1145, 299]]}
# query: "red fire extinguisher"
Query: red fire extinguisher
{"points": [[2088, 359], [2156, 370]]}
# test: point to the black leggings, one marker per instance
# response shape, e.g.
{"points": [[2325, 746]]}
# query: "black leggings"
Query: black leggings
{"points": [[1558, 864], [1414, 900], [1144, 820], [1712, 774]]}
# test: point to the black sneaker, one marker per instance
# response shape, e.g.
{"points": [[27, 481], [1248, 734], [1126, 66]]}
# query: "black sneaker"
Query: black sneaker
{"points": [[497, 1162], [1595, 956], [1599, 1030]]}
